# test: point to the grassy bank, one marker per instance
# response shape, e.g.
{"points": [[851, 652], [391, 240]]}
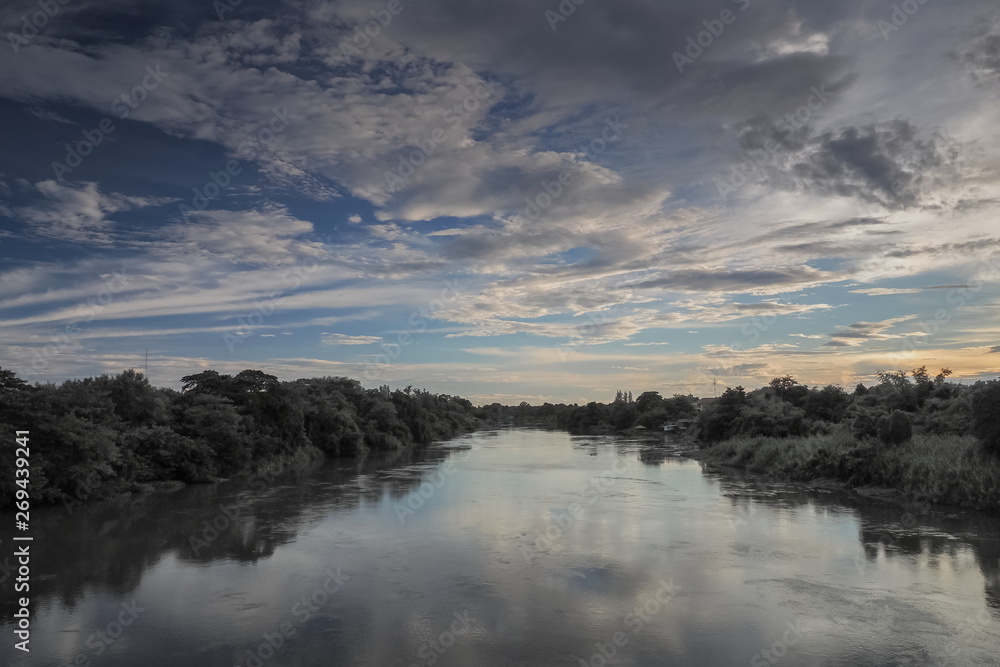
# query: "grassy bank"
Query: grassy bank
{"points": [[943, 469]]}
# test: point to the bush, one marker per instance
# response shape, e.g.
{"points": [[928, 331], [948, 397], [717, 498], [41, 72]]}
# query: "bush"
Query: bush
{"points": [[895, 429], [865, 423], [986, 416]]}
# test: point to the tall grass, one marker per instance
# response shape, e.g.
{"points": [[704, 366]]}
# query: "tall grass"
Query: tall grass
{"points": [[945, 469]]}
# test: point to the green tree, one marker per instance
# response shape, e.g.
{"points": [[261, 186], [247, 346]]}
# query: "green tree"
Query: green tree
{"points": [[648, 400], [895, 428], [986, 415]]}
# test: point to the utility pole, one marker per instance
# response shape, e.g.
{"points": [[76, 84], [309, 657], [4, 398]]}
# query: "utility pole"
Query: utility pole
{"points": [[146, 371]]}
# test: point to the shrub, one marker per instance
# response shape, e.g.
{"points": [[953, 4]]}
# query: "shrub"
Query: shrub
{"points": [[895, 428], [986, 416], [864, 424]]}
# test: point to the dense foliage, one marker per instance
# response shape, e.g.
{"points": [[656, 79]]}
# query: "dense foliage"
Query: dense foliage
{"points": [[103, 436], [900, 405], [923, 437], [649, 410]]}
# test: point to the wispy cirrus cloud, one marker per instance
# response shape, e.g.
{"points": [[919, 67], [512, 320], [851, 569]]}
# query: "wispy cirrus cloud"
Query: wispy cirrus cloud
{"points": [[79, 213]]}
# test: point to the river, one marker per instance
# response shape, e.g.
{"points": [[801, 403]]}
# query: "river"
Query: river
{"points": [[507, 547]]}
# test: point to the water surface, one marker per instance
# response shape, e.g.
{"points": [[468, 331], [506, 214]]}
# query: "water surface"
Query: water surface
{"points": [[513, 547]]}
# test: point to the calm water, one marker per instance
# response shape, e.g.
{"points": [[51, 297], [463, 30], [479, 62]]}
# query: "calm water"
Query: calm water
{"points": [[523, 547]]}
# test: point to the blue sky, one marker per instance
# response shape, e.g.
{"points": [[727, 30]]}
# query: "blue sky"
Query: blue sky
{"points": [[481, 199]]}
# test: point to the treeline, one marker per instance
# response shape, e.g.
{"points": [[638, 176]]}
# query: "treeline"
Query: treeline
{"points": [[108, 435], [922, 437], [900, 405], [650, 410]]}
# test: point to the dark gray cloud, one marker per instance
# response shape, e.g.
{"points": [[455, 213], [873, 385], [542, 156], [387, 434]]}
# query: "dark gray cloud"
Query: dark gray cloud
{"points": [[885, 163], [855, 334], [697, 280], [610, 54], [982, 57], [945, 249], [738, 370]]}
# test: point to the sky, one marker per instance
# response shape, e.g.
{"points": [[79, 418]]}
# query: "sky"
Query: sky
{"points": [[506, 201]]}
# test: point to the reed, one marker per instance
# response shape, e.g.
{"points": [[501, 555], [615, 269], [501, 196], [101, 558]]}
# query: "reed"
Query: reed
{"points": [[942, 469]]}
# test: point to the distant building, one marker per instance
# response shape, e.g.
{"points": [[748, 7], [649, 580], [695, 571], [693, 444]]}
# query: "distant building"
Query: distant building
{"points": [[703, 403]]}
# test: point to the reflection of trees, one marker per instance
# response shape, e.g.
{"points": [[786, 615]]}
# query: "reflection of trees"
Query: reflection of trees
{"points": [[653, 455], [890, 530], [110, 544]]}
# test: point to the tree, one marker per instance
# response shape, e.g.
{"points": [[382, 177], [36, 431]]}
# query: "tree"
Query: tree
{"points": [[829, 404], [254, 381], [10, 382], [895, 428], [648, 400], [214, 420], [206, 382], [782, 384], [717, 422], [986, 415], [136, 402]]}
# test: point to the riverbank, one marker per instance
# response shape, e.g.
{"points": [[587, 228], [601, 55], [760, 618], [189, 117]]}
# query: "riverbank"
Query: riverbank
{"points": [[940, 469]]}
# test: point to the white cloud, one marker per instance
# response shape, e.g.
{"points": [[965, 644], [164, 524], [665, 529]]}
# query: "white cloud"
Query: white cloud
{"points": [[79, 214], [344, 339], [267, 236]]}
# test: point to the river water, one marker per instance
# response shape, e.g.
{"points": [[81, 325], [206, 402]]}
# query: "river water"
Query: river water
{"points": [[509, 547]]}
